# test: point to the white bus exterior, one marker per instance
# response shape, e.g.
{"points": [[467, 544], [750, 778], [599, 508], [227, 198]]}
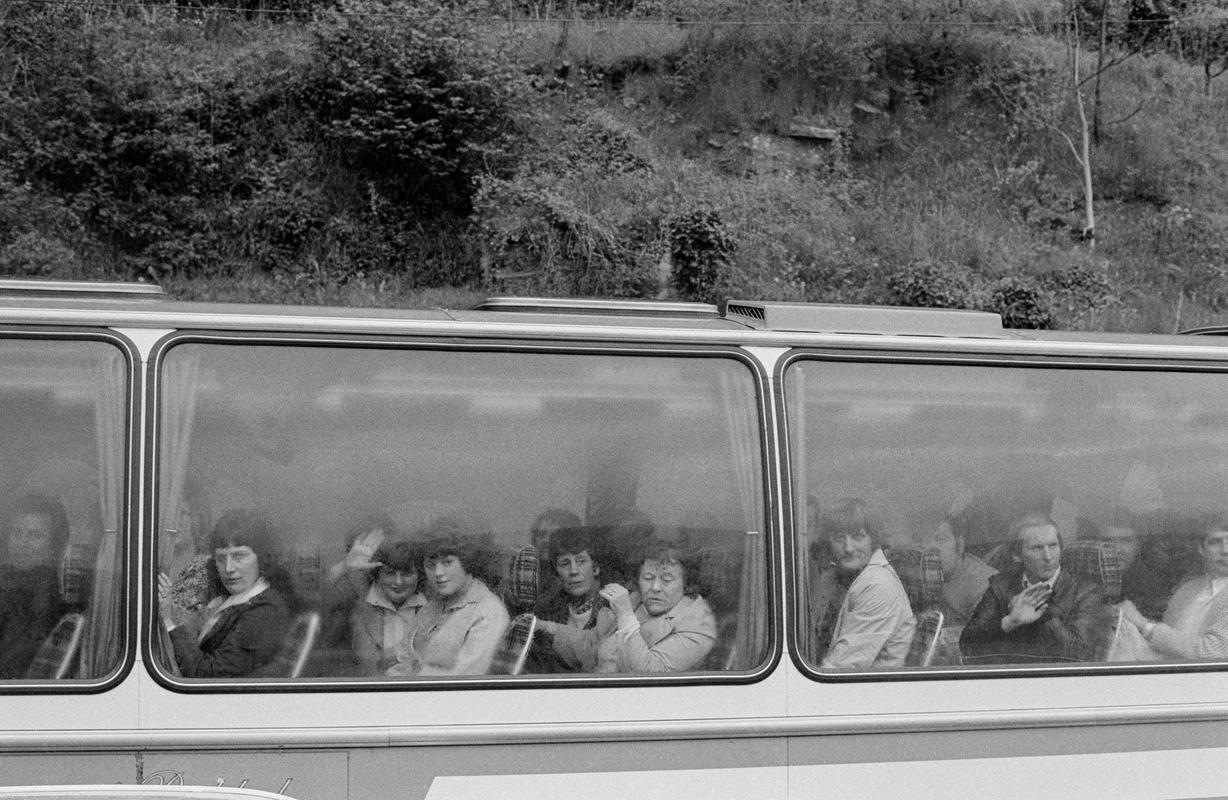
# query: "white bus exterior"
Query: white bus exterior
{"points": [[729, 431]]}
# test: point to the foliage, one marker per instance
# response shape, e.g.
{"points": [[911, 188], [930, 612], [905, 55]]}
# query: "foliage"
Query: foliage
{"points": [[932, 285], [411, 102], [701, 249], [1021, 303]]}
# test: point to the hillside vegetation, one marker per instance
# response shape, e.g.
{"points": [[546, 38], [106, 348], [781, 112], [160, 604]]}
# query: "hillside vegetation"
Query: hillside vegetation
{"points": [[380, 152]]}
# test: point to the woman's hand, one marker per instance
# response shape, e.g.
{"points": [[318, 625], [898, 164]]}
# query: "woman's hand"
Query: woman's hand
{"points": [[361, 555], [1132, 615], [620, 600]]}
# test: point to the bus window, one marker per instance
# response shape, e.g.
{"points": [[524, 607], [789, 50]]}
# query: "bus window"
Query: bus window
{"points": [[394, 513], [63, 405], [975, 516]]}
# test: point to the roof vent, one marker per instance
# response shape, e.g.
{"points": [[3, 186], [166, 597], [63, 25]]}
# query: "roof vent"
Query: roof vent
{"points": [[27, 287], [617, 308], [831, 318]]}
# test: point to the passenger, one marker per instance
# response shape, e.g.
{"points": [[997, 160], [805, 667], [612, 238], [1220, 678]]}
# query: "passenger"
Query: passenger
{"points": [[1035, 611], [964, 576], [1195, 624], [30, 599], [665, 627], [576, 618], [1142, 584], [860, 597], [459, 630], [244, 622], [384, 621]]}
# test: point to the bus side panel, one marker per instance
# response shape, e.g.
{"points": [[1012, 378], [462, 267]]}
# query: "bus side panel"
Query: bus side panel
{"points": [[302, 774], [58, 768], [681, 770]]}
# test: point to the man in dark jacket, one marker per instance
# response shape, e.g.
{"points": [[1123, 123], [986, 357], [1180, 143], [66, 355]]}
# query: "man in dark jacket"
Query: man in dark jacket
{"points": [[1035, 612]]}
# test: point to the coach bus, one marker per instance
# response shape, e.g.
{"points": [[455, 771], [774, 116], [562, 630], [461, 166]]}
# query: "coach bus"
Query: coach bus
{"points": [[132, 427]]}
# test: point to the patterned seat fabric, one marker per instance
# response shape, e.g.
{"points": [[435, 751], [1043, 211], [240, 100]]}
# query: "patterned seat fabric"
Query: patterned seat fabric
{"points": [[523, 579], [514, 648], [920, 571], [57, 656], [1097, 561], [925, 639]]}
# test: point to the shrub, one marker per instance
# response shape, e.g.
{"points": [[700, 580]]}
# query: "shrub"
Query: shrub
{"points": [[409, 100], [701, 250], [932, 285], [1021, 303]]}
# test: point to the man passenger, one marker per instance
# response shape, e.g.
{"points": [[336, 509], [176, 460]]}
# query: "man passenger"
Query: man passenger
{"points": [[1035, 611], [964, 576], [30, 599]]}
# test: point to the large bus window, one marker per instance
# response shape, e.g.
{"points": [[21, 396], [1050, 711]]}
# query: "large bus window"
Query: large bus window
{"points": [[396, 513], [63, 405], [972, 516]]}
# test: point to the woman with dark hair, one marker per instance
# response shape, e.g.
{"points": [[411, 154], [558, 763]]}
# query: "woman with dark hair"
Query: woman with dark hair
{"points": [[30, 600], [460, 628], [244, 622], [858, 606], [384, 621], [575, 618], [665, 627]]}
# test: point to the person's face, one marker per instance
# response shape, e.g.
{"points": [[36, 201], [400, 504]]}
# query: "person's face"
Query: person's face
{"points": [[661, 586], [1214, 551], [448, 575], [1040, 552], [1124, 542], [30, 541], [577, 572], [238, 567], [397, 585], [950, 549], [852, 550]]}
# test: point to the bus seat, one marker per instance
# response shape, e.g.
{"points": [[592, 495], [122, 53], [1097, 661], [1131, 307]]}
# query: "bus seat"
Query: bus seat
{"points": [[925, 639], [57, 656], [920, 571], [296, 648], [1096, 561], [514, 648]]}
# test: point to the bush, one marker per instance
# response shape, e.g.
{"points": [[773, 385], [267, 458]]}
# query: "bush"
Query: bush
{"points": [[932, 285], [1021, 303], [410, 101], [701, 250]]}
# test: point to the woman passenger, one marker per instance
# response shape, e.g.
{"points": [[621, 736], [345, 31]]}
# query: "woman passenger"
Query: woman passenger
{"points": [[461, 626], [246, 618], [859, 598], [575, 618], [385, 619], [665, 627]]}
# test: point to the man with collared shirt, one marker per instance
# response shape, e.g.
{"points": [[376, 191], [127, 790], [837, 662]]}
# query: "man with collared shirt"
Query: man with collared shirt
{"points": [[1035, 612]]}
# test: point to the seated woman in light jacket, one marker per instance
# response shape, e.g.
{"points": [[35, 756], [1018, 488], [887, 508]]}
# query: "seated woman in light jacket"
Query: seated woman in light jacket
{"points": [[666, 626], [858, 606], [459, 629]]}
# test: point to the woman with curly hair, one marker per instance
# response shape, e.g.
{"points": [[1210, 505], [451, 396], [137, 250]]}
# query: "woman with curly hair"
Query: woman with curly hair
{"points": [[460, 628]]}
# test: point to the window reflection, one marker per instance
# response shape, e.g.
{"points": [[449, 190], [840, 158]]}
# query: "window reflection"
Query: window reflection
{"points": [[62, 418], [458, 513], [1031, 516]]}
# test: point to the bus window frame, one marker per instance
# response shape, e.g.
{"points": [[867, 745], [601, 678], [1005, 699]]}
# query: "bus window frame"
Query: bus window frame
{"points": [[460, 343], [128, 499], [1038, 360]]}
